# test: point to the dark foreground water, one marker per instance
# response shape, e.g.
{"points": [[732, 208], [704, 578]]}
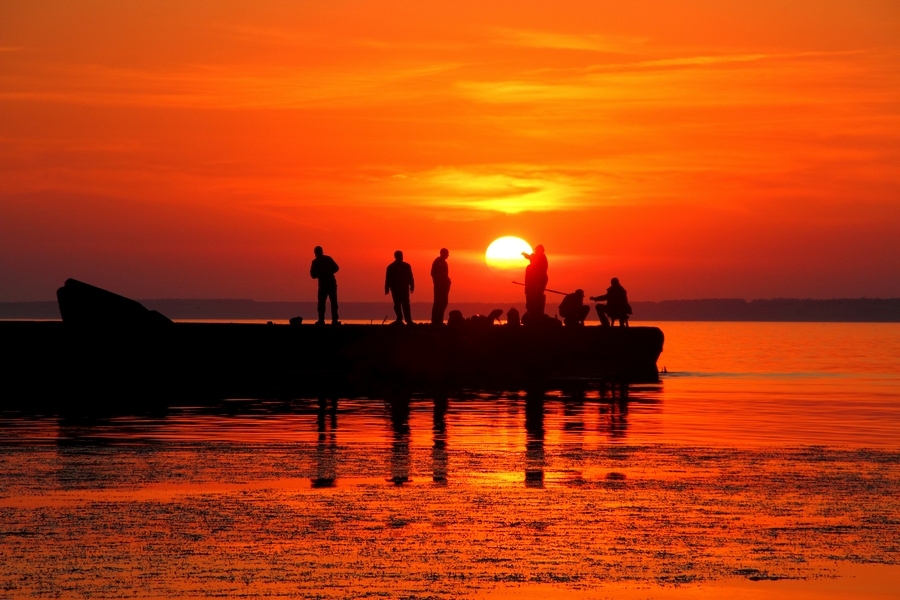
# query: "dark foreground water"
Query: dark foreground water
{"points": [[766, 464]]}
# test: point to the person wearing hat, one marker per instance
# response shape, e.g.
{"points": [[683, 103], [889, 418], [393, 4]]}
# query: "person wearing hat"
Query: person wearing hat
{"points": [[573, 310], [323, 269]]}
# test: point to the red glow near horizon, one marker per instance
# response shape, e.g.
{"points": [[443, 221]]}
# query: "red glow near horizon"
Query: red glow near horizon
{"points": [[708, 149]]}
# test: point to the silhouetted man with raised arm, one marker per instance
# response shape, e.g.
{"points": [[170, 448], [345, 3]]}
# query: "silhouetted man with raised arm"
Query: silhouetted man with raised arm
{"points": [[323, 269], [535, 282], [440, 275], [398, 280]]}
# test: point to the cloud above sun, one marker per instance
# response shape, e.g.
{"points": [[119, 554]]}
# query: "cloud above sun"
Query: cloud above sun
{"points": [[509, 189]]}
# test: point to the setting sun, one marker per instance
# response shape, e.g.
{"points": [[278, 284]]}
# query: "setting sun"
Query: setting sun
{"points": [[506, 252]]}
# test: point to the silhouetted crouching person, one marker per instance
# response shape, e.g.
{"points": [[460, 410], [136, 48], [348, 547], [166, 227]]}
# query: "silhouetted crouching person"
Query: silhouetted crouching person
{"points": [[573, 310], [323, 268], [398, 280], [440, 275], [535, 283], [616, 307]]}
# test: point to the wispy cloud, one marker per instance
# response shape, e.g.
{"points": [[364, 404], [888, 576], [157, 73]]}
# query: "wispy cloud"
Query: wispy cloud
{"points": [[675, 81], [220, 87], [261, 35], [568, 41]]}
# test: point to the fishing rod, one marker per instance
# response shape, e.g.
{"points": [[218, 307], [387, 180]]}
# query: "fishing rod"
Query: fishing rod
{"points": [[545, 289]]}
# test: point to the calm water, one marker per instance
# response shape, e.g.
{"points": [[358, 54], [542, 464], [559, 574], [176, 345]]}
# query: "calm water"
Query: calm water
{"points": [[766, 462]]}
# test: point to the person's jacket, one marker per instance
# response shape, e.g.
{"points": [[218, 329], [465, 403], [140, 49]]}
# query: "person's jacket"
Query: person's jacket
{"points": [[440, 272], [536, 274], [399, 278], [323, 268]]}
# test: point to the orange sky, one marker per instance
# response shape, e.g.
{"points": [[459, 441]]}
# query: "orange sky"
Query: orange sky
{"points": [[693, 149]]}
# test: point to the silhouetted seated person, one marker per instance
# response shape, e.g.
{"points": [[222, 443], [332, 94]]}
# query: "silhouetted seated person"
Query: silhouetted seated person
{"points": [[573, 310], [398, 280], [535, 282], [455, 319], [485, 320], [323, 269], [616, 307], [512, 317]]}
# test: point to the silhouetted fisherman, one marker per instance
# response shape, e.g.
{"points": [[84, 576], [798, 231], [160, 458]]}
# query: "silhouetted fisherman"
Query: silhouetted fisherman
{"points": [[616, 307], [573, 310], [535, 282], [440, 275], [398, 280], [323, 268]]}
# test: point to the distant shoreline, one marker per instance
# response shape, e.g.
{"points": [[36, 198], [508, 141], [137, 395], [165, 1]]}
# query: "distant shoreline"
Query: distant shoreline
{"points": [[847, 310]]}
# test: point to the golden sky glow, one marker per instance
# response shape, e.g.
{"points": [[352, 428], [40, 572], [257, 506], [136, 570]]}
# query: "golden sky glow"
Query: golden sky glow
{"points": [[693, 149]]}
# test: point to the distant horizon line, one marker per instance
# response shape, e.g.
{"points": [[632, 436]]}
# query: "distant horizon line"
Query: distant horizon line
{"points": [[509, 300], [877, 310]]}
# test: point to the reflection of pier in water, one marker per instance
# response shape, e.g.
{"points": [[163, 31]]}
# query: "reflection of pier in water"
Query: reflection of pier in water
{"points": [[560, 430]]}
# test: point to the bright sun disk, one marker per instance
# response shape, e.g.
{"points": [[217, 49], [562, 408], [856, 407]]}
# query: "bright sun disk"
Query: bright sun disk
{"points": [[506, 252]]}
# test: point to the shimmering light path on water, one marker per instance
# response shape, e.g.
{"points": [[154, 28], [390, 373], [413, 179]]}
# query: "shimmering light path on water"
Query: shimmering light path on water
{"points": [[773, 470]]}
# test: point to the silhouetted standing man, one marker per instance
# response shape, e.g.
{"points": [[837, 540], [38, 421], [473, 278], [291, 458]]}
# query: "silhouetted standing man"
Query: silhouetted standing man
{"points": [[535, 281], [398, 280], [323, 268], [440, 275]]}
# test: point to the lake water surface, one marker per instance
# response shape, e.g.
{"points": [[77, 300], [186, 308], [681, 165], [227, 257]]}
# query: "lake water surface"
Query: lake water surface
{"points": [[765, 464]]}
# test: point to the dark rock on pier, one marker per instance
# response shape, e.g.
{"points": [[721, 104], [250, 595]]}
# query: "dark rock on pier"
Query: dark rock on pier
{"points": [[84, 305]]}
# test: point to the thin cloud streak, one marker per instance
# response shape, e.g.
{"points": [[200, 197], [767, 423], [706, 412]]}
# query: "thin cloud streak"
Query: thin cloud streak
{"points": [[568, 41], [215, 87]]}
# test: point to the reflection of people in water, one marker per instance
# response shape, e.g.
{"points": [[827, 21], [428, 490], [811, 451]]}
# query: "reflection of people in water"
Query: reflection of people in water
{"points": [[398, 280], [573, 310], [572, 435], [326, 444], [614, 413], [440, 275], [323, 269], [616, 307], [534, 441], [399, 409], [535, 282], [439, 458]]}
